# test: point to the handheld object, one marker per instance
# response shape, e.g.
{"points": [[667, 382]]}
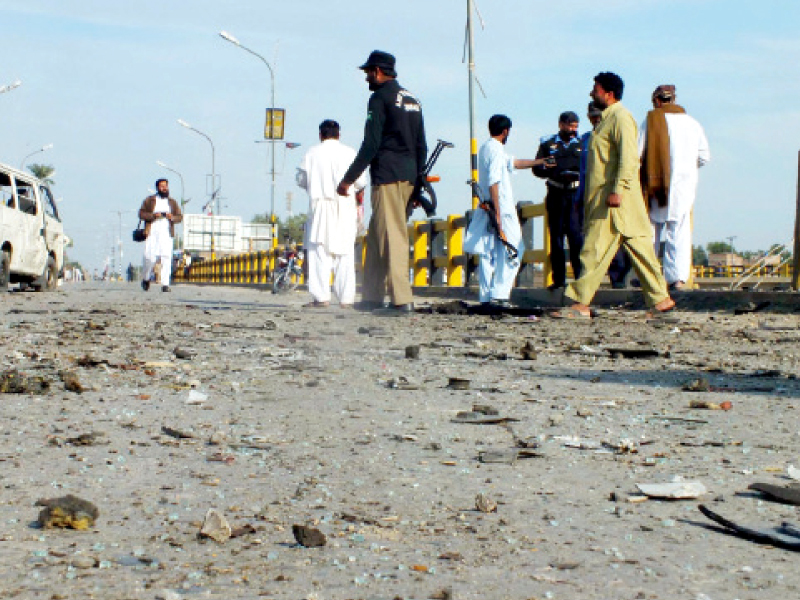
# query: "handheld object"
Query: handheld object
{"points": [[423, 186], [511, 250]]}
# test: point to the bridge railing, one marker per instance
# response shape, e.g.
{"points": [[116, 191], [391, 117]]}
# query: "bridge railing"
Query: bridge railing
{"points": [[736, 271], [436, 255]]}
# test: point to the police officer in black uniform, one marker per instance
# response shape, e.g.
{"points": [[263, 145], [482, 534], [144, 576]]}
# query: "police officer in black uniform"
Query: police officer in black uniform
{"points": [[563, 204], [395, 150]]}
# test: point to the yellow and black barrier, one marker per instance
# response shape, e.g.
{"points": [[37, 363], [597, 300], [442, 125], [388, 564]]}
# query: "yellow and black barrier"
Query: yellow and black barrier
{"points": [[436, 258], [436, 255]]}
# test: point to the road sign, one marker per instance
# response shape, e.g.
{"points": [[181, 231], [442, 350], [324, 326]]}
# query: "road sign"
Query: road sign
{"points": [[273, 130]]}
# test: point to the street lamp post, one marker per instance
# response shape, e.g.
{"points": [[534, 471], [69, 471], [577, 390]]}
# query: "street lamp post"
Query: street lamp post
{"points": [[42, 149], [163, 166], [10, 86], [119, 213], [228, 37], [214, 190]]}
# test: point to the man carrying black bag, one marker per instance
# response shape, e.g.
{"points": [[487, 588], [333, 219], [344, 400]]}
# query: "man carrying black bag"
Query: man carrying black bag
{"points": [[160, 213]]}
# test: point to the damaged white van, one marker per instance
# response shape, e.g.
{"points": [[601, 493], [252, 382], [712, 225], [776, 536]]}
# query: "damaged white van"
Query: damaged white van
{"points": [[31, 233]]}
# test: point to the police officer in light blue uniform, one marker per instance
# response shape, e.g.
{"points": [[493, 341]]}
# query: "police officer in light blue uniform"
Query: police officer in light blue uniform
{"points": [[563, 204]]}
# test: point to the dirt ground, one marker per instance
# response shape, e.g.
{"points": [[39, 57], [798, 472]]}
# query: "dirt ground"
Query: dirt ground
{"points": [[277, 415]]}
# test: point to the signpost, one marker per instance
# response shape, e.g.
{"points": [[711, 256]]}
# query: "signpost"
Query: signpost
{"points": [[276, 118]]}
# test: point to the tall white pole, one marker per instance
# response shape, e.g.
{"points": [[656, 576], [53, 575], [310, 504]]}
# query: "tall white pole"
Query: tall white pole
{"points": [[473, 142], [230, 38]]}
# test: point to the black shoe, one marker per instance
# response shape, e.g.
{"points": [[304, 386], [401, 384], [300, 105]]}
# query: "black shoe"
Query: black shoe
{"points": [[555, 286], [165, 288], [395, 310], [368, 306], [403, 308], [145, 285], [500, 303]]}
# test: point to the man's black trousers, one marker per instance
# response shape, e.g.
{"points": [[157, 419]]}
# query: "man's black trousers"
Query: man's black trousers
{"points": [[564, 219]]}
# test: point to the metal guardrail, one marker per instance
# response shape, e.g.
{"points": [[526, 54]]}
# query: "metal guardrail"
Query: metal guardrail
{"points": [[734, 272], [436, 257]]}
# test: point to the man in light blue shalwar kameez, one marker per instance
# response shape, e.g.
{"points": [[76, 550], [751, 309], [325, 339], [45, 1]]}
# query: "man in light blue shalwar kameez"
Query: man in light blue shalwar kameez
{"points": [[496, 271]]}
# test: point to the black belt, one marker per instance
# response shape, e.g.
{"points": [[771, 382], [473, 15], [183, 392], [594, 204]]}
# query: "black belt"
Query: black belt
{"points": [[563, 186]]}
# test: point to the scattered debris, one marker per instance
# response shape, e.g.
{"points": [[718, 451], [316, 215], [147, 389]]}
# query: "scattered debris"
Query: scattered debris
{"points": [[93, 438], [787, 536], [699, 384], [217, 438], [184, 353], [176, 433], [706, 405], [412, 352], [789, 494], [633, 352], [507, 457], [676, 490], [402, 383], [67, 512], [528, 351], [458, 383], [246, 529], [16, 382], [485, 504], [480, 418], [71, 382], [676, 419], [308, 536], [793, 473], [215, 526], [752, 307]]}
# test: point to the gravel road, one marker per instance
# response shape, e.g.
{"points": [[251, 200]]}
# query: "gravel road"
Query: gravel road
{"points": [[158, 407]]}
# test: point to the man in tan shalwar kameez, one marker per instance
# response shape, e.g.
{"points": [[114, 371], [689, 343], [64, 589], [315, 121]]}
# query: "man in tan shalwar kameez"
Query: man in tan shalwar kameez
{"points": [[615, 212]]}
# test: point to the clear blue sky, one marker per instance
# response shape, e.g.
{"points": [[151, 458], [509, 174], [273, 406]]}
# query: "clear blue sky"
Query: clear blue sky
{"points": [[106, 81]]}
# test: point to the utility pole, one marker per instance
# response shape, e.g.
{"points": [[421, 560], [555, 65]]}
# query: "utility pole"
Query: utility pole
{"points": [[289, 204], [796, 257], [119, 214], [730, 239], [473, 142]]}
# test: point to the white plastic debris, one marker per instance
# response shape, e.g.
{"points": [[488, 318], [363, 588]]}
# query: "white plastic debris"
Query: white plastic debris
{"points": [[677, 490], [793, 472], [196, 397]]}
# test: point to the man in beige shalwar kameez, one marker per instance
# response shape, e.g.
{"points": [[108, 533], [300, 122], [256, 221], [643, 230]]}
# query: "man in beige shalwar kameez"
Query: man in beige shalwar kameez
{"points": [[615, 212]]}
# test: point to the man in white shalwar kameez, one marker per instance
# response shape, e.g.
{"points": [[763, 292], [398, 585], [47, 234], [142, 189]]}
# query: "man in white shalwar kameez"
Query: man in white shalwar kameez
{"points": [[669, 179], [160, 213], [330, 233], [496, 271]]}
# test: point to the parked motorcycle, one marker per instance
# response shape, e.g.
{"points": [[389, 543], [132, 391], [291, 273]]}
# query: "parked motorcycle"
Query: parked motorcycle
{"points": [[288, 272]]}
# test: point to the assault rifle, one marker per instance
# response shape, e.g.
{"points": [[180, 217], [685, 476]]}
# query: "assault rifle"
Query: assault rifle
{"points": [[511, 250], [423, 185]]}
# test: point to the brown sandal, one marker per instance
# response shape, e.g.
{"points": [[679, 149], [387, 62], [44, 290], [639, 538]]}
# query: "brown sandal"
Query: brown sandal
{"points": [[571, 313]]}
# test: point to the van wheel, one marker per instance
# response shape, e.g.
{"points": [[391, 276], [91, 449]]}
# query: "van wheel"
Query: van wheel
{"points": [[5, 270], [48, 281]]}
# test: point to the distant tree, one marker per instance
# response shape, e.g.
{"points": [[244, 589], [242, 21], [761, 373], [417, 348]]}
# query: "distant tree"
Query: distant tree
{"points": [[718, 247], [292, 227], [785, 253], [43, 172], [699, 256]]}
